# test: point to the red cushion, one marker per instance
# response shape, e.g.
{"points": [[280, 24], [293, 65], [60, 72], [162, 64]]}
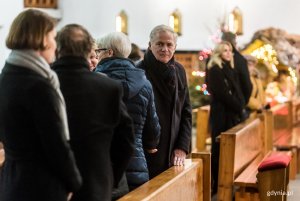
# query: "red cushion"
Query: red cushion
{"points": [[274, 161]]}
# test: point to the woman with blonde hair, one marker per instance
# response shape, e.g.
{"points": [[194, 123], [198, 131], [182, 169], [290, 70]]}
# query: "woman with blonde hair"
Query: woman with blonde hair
{"points": [[226, 99]]}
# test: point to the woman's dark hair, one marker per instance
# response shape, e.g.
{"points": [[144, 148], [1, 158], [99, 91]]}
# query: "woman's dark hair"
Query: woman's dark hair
{"points": [[28, 30]]}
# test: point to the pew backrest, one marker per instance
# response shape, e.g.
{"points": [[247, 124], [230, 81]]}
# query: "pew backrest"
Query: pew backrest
{"points": [[239, 146], [189, 182]]}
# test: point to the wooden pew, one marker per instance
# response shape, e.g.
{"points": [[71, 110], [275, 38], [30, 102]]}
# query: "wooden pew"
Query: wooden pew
{"points": [[285, 136], [296, 111], [189, 182], [242, 149], [239, 146], [202, 124]]}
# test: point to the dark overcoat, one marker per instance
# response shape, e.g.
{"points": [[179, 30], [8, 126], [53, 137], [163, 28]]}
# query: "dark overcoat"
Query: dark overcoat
{"points": [[39, 164], [95, 111], [173, 108], [226, 106], [241, 68]]}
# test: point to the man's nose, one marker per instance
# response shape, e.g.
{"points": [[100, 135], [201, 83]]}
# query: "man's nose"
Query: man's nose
{"points": [[164, 48]]}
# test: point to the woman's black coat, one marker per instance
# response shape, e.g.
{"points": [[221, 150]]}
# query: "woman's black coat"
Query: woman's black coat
{"points": [[39, 164], [227, 103]]}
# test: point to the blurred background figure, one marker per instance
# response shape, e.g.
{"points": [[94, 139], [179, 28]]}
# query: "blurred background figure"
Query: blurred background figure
{"points": [[39, 164], [139, 99], [227, 101], [136, 53], [240, 68], [257, 100], [101, 130], [93, 58]]}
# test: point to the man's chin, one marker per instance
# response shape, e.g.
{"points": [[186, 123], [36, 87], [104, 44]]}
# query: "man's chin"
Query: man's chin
{"points": [[164, 60]]}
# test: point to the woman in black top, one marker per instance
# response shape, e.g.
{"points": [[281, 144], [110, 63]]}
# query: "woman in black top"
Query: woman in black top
{"points": [[227, 101]]}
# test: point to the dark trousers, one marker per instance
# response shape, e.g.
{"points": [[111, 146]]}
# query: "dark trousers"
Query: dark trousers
{"points": [[215, 154]]}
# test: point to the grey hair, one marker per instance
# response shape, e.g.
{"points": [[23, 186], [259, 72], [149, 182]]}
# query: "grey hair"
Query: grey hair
{"points": [[118, 42], [95, 45], [162, 28]]}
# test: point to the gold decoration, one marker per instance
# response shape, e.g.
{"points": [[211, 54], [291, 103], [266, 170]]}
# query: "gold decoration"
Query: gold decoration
{"points": [[122, 22], [175, 22], [236, 21]]}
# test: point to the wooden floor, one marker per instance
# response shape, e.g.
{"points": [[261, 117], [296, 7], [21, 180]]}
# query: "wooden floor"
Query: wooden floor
{"points": [[294, 190]]}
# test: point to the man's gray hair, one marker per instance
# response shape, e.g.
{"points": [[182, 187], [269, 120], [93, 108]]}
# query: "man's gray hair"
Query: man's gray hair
{"points": [[162, 28], [118, 42]]}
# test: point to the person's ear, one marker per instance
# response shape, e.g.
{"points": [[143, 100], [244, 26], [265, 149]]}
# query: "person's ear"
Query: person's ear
{"points": [[149, 45], [110, 52]]}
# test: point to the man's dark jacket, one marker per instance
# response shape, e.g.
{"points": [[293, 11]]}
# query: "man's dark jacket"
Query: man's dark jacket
{"points": [[173, 108], [95, 111]]}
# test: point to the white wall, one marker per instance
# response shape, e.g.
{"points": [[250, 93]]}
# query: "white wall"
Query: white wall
{"points": [[8, 9], [200, 18]]}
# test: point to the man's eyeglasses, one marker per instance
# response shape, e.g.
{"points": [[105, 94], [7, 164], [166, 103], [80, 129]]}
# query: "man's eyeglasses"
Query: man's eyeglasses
{"points": [[99, 50]]}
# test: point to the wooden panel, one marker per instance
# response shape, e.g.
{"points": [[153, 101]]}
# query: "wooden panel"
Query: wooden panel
{"points": [[248, 143], [246, 196], [40, 3], [189, 60], [268, 130], [274, 180], [248, 177], [226, 166], [177, 183], [202, 127], [206, 158], [296, 111], [238, 148]]}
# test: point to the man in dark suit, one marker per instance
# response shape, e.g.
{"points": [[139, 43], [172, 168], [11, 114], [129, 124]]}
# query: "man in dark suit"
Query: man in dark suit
{"points": [[101, 132]]}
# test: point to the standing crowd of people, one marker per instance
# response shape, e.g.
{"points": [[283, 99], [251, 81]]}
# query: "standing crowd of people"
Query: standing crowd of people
{"points": [[88, 120], [79, 120]]}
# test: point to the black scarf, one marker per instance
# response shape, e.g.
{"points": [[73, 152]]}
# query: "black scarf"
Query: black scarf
{"points": [[165, 74]]}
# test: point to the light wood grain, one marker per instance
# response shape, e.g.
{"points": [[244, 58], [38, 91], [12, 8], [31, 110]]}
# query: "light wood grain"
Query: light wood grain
{"points": [[177, 183]]}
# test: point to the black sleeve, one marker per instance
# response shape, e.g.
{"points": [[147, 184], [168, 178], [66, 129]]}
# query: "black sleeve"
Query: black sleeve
{"points": [[183, 141], [151, 130], [244, 76], [220, 90], [48, 122], [122, 143]]}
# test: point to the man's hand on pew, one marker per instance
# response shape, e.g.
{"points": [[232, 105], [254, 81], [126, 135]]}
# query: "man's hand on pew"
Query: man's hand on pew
{"points": [[151, 151], [69, 196], [178, 157]]}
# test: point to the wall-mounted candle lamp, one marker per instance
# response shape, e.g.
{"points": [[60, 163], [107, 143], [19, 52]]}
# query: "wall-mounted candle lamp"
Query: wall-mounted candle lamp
{"points": [[122, 22], [175, 21], [235, 21]]}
